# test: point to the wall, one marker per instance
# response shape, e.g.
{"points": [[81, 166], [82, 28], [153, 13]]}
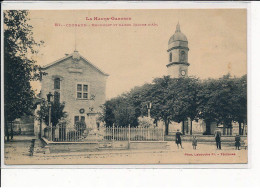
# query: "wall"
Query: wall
{"points": [[69, 80], [175, 70]]}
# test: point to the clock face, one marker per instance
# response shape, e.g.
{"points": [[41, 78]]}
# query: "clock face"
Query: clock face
{"points": [[183, 73]]}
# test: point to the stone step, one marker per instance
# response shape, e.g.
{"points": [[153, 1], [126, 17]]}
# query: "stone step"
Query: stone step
{"points": [[105, 145], [40, 148]]}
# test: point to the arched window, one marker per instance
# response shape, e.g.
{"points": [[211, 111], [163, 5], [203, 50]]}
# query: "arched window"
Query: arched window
{"points": [[57, 83], [183, 56], [170, 57]]}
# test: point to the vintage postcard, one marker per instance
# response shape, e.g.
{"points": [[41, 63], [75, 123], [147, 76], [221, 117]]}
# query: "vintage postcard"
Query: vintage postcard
{"points": [[125, 86]]}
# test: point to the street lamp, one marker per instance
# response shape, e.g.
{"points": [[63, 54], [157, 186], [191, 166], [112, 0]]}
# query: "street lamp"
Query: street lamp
{"points": [[149, 106], [50, 100], [41, 103]]}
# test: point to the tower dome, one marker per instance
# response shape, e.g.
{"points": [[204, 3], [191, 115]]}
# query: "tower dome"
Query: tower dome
{"points": [[178, 54], [178, 35]]}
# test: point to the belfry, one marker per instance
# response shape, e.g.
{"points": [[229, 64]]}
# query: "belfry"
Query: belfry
{"points": [[178, 54]]}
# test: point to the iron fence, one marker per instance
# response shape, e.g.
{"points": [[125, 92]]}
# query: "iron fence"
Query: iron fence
{"points": [[61, 133], [136, 134]]}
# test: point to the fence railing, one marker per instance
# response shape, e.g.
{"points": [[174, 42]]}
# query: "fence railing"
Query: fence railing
{"points": [[133, 134], [61, 133]]}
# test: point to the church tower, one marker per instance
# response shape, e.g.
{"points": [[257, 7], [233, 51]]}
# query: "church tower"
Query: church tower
{"points": [[178, 54]]}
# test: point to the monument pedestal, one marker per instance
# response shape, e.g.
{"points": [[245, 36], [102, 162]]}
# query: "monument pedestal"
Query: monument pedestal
{"points": [[94, 135]]}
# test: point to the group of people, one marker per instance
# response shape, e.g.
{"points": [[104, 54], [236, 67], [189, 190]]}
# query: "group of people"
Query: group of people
{"points": [[179, 142], [217, 139]]}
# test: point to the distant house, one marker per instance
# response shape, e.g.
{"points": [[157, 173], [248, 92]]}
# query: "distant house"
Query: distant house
{"points": [[23, 126], [77, 82]]}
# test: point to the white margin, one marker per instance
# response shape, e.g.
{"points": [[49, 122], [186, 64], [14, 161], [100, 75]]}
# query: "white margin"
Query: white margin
{"points": [[69, 5]]}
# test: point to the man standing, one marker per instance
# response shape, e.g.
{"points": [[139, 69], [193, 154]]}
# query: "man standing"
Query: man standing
{"points": [[218, 139], [178, 138], [237, 142]]}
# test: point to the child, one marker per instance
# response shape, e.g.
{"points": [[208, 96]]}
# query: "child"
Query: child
{"points": [[237, 142], [194, 142]]}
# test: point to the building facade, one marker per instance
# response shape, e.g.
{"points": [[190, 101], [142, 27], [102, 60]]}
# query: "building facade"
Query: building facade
{"points": [[78, 83]]}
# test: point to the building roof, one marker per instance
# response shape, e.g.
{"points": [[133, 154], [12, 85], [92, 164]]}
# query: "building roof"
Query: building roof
{"points": [[74, 55], [178, 35]]}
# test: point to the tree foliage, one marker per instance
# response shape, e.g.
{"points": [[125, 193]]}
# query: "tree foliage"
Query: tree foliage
{"points": [[223, 100], [145, 122], [119, 112], [19, 67], [220, 100], [57, 112], [174, 99]]}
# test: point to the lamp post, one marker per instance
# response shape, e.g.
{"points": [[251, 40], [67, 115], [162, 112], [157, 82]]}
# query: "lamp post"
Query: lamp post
{"points": [[149, 106], [41, 103], [50, 99]]}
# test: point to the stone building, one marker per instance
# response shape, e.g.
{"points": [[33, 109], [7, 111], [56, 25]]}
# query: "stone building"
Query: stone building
{"points": [[80, 84]]}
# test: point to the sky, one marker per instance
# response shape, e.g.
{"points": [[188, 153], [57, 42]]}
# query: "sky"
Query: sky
{"points": [[134, 55]]}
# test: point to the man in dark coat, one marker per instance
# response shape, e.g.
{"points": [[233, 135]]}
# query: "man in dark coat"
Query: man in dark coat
{"points": [[237, 142], [178, 138], [218, 139]]}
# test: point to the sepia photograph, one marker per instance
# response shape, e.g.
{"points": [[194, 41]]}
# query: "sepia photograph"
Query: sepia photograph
{"points": [[125, 86]]}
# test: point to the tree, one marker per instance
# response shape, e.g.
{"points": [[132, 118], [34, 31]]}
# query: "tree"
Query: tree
{"points": [[57, 112], [206, 103], [19, 67], [173, 99], [220, 100], [107, 114], [240, 102], [162, 98], [186, 102], [119, 111], [125, 114], [223, 101]]}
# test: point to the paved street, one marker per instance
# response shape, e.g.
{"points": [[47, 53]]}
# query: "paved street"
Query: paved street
{"points": [[17, 152]]}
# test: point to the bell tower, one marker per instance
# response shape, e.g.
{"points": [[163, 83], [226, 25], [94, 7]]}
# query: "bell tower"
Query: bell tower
{"points": [[178, 54]]}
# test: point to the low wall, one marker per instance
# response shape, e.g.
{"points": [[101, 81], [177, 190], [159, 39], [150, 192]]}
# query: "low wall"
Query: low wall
{"points": [[139, 145], [58, 147], [120, 145], [148, 145]]}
